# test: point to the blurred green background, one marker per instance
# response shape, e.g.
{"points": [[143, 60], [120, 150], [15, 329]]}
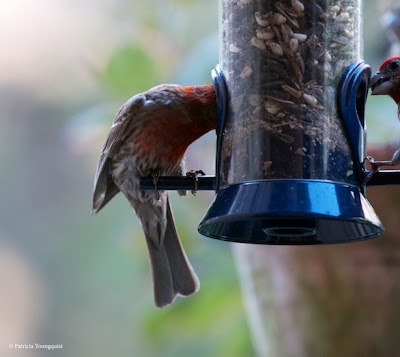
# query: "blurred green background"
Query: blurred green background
{"points": [[81, 281]]}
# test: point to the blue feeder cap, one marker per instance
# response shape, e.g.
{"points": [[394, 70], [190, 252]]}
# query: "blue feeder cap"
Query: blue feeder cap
{"points": [[291, 211]]}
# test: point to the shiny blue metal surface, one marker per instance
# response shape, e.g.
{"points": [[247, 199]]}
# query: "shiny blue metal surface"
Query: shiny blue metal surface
{"points": [[351, 98], [291, 212], [222, 101]]}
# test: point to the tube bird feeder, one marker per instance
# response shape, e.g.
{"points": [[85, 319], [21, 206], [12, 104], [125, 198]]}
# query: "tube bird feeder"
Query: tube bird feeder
{"points": [[291, 146]]}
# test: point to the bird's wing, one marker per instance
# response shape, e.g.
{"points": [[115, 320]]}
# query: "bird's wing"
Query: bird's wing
{"points": [[124, 122]]}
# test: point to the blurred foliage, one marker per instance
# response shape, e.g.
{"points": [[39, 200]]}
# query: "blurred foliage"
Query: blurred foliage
{"points": [[129, 70]]}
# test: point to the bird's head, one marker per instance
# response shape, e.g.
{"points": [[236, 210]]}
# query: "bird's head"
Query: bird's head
{"points": [[387, 79]]}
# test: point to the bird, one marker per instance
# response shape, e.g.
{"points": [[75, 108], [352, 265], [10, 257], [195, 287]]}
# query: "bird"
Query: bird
{"points": [[149, 137], [386, 81]]}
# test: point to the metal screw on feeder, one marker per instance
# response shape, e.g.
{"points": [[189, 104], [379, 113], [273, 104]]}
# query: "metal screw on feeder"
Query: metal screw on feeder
{"points": [[291, 94]]}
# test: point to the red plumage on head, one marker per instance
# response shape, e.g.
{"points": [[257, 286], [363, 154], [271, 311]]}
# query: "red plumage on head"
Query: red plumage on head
{"points": [[387, 79], [389, 60]]}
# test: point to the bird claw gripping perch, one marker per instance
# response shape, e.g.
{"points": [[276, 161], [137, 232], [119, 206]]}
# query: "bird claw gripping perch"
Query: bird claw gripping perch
{"points": [[374, 168], [156, 176], [375, 165], [194, 175]]}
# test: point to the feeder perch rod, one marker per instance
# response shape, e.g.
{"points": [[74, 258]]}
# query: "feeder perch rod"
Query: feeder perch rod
{"points": [[207, 183], [385, 177], [204, 183]]}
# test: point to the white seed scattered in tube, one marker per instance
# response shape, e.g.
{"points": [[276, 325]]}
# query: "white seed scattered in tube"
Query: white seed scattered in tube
{"points": [[327, 67], [256, 42], [297, 6], [327, 57], [301, 37], [342, 17], [293, 44], [265, 34], [349, 34], [271, 108], [262, 19], [278, 19], [247, 72], [310, 99], [234, 48], [276, 49], [335, 8], [254, 99]]}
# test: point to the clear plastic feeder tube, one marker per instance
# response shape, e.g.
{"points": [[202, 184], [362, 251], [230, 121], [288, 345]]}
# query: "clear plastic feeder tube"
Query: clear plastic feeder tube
{"points": [[283, 61]]}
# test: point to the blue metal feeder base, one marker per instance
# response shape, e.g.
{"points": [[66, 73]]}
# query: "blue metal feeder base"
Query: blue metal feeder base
{"points": [[291, 211]]}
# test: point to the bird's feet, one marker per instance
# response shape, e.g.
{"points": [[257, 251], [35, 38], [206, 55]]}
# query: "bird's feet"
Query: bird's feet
{"points": [[194, 174], [156, 175], [375, 165]]}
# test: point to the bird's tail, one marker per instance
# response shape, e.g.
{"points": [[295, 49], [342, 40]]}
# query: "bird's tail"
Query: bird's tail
{"points": [[172, 272]]}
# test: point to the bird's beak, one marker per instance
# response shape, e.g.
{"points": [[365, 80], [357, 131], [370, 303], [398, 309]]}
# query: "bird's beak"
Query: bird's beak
{"points": [[380, 84]]}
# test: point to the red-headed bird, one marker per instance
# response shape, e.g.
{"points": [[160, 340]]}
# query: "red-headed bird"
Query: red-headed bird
{"points": [[387, 81], [149, 136]]}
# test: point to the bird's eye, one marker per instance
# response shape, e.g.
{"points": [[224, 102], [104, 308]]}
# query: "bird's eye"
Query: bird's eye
{"points": [[394, 65]]}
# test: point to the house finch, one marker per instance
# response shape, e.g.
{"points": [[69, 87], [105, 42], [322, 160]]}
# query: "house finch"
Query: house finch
{"points": [[149, 136], [387, 81]]}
